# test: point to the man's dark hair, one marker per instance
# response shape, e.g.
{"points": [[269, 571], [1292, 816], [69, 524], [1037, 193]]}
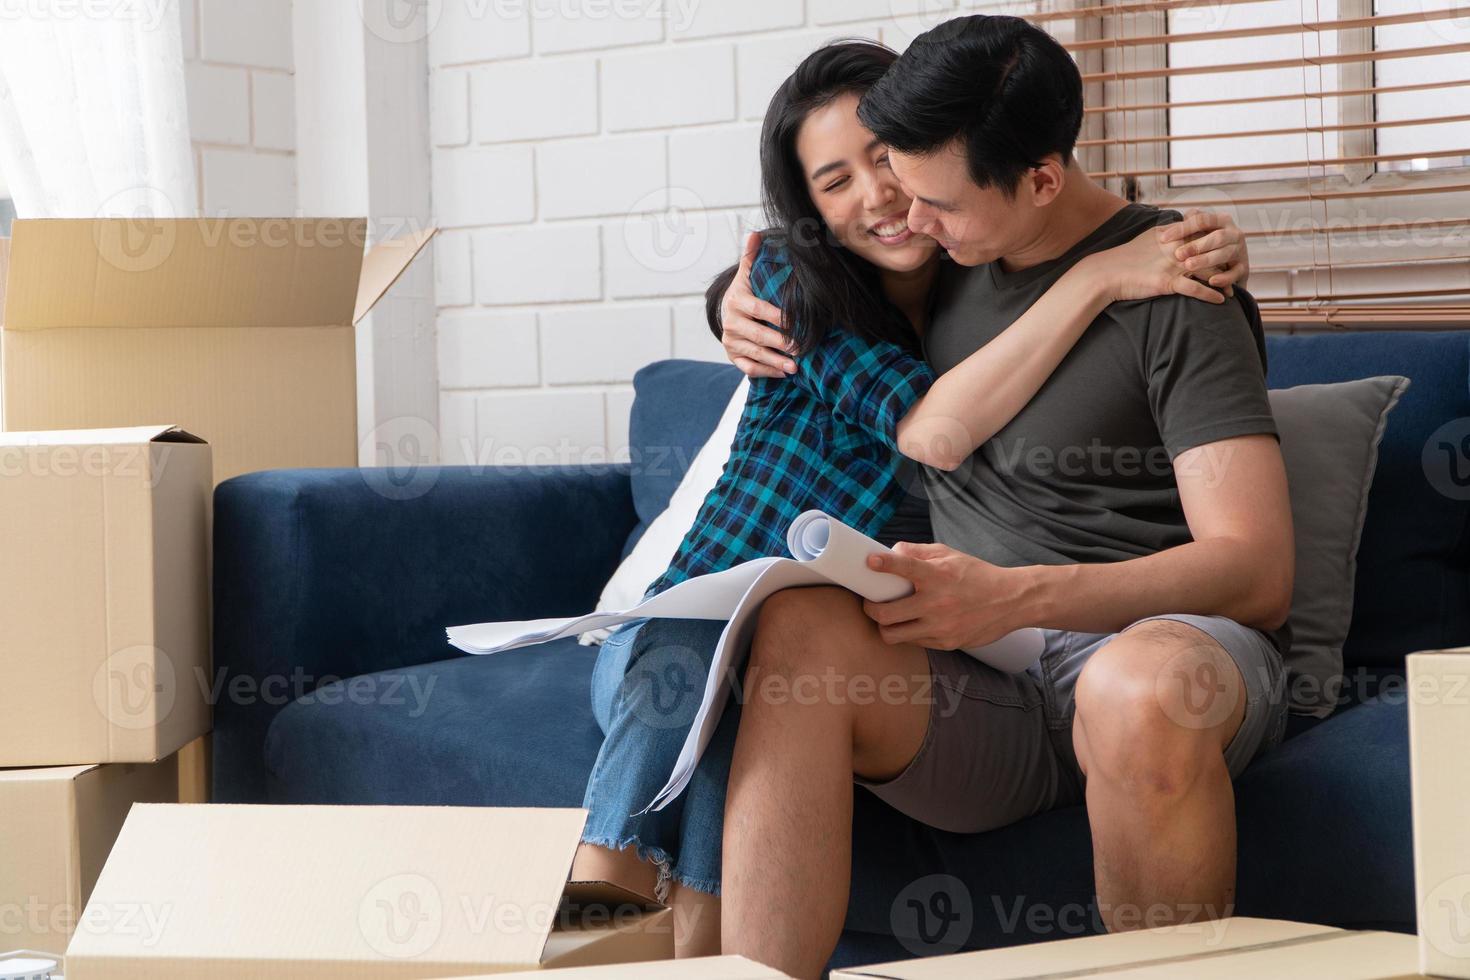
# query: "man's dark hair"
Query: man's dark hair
{"points": [[1000, 85]]}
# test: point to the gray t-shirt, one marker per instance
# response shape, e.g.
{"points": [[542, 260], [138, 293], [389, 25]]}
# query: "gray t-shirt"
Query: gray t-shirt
{"points": [[1084, 472]]}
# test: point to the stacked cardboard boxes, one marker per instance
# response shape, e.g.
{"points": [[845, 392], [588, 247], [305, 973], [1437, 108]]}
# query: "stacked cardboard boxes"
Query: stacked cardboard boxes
{"points": [[104, 596], [241, 331]]}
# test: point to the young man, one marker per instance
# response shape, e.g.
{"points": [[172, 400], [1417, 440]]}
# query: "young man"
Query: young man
{"points": [[1136, 509]]}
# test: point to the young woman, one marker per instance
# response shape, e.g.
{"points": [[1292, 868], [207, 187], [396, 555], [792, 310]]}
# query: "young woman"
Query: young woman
{"points": [[841, 434]]}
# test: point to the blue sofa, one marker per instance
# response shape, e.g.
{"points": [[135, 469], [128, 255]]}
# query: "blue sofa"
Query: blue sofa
{"points": [[327, 575]]}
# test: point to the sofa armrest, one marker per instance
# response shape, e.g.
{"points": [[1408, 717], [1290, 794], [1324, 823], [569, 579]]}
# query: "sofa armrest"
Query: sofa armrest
{"points": [[330, 573]]}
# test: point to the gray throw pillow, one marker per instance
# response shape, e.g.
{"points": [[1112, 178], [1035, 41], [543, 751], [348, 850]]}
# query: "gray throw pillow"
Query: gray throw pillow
{"points": [[1329, 440]]}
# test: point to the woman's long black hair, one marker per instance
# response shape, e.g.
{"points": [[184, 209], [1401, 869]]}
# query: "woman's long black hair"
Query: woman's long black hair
{"points": [[829, 284]]}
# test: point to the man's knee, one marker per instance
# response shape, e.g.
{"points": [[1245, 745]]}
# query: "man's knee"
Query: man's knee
{"points": [[1155, 706], [796, 627]]}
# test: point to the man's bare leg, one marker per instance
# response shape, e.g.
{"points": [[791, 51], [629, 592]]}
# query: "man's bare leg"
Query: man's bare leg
{"points": [[696, 913], [1155, 709], [788, 812]]}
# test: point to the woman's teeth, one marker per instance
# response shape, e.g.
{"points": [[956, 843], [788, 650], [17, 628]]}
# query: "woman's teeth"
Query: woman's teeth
{"points": [[891, 230]]}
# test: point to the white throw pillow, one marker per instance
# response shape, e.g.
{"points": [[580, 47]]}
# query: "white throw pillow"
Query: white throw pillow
{"points": [[654, 551]]}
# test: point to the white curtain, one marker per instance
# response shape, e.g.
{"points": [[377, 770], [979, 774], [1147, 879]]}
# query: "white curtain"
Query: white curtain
{"points": [[93, 117]]}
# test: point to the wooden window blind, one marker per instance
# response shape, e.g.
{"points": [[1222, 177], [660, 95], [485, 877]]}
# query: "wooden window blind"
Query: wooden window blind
{"points": [[1337, 132]]}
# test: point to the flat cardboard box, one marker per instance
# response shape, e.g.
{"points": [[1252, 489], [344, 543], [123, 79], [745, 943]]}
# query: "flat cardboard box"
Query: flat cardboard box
{"points": [[104, 594], [1439, 735], [240, 329], [237, 891], [694, 968], [56, 827], [1222, 949]]}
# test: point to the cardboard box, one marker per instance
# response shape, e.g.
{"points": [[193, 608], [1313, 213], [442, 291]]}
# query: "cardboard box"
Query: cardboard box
{"points": [[694, 968], [240, 329], [1223, 949], [104, 594], [56, 828], [1439, 733], [236, 891]]}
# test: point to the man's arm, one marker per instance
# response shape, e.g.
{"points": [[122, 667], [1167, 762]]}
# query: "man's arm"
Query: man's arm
{"points": [[1240, 564]]}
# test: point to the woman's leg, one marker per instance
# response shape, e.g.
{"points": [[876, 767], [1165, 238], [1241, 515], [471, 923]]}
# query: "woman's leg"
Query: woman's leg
{"points": [[646, 691], [696, 874]]}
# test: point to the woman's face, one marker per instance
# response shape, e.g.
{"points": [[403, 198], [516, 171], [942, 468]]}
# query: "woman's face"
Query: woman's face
{"points": [[848, 177]]}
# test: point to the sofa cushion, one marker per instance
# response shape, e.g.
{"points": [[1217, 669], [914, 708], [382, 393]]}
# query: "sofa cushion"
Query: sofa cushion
{"points": [[505, 729], [676, 405], [1329, 441], [1413, 582]]}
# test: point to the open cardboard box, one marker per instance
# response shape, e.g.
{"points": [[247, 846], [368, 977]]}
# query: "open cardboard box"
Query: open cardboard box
{"points": [[104, 594], [240, 329], [56, 827], [236, 891], [1439, 734], [1221, 949], [694, 968]]}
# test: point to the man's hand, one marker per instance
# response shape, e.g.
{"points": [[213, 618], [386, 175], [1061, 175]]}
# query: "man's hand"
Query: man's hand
{"points": [[959, 601], [757, 349]]}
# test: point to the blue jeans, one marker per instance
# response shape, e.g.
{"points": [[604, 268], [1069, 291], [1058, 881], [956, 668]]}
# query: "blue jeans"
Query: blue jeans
{"points": [[646, 687]]}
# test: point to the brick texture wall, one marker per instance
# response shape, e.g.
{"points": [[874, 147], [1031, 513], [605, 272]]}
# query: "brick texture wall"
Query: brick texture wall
{"points": [[238, 78], [594, 165]]}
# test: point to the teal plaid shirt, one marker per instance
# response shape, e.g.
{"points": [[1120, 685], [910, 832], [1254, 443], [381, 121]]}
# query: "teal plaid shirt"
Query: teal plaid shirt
{"points": [[824, 437]]}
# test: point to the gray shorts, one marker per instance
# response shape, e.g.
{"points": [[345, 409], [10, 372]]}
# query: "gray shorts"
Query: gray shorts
{"points": [[999, 746]]}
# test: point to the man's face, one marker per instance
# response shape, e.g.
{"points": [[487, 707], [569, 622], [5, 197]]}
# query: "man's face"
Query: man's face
{"points": [[974, 224]]}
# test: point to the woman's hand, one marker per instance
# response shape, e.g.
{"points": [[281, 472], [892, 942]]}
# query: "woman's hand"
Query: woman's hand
{"points": [[757, 349], [1150, 265], [1211, 241]]}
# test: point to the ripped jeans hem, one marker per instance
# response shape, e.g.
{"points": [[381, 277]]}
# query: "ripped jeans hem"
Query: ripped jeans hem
{"points": [[656, 856], [659, 858]]}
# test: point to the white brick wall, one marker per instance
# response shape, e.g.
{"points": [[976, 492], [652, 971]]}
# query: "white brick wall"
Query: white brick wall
{"points": [[595, 165], [238, 81]]}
